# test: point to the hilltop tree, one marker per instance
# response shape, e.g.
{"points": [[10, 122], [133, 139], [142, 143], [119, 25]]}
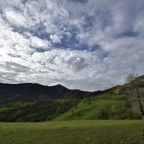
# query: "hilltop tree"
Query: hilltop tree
{"points": [[134, 90]]}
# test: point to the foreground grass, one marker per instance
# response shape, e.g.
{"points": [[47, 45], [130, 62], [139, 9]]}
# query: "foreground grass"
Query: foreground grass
{"points": [[88, 111], [73, 132]]}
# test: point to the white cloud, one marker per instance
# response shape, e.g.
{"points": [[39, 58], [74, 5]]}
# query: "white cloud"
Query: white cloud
{"points": [[55, 38], [39, 42], [16, 18]]}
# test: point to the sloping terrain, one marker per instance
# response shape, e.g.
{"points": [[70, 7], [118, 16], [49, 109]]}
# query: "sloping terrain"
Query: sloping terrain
{"points": [[34, 112], [87, 110], [32, 92]]}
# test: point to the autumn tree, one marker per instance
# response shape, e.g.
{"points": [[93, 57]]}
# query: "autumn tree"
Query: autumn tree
{"points": [[134, 90]]}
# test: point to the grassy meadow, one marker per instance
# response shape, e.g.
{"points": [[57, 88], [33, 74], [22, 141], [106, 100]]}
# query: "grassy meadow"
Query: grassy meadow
{"points": [[72, 122], [87, 110], [73, 132]]}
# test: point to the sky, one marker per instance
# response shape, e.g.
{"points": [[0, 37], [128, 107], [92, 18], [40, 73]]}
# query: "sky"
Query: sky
{"points": [[81, 44]]}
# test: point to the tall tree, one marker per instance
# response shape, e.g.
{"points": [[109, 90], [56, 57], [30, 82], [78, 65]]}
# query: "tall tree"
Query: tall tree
{"points": [[134, 90]]}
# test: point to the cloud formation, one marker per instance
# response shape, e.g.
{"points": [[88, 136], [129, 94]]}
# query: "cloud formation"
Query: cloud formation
{"points": [[82, 44]]}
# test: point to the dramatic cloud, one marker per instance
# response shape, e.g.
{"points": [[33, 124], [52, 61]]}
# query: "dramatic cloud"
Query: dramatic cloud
{"points": [[81, 44]]}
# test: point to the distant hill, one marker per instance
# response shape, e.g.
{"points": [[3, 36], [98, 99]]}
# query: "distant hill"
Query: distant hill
{"points": [[29, 92]]}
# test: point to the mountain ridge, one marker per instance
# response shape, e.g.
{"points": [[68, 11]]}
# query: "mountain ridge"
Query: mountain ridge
{"points": [[29, 92]]}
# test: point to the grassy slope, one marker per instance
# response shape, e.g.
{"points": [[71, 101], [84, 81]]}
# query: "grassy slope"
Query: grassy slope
{"points": [[88, 112], [73, 132], [37, 111]]}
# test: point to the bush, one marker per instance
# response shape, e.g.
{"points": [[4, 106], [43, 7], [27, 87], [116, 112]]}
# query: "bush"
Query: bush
{"points": [[14, 116], [57, 114], [48, 118], [113, 112], [34, 120], [137, 116], [101, 113], [122, 110], [27, 104], [123, 116], [35, 102], [58, 109], [116, 117], [19, 113], [89, 103], [114, 108], [128, 103], [67, 106], [2, 117], [129, 114], [63, 101], [77, 113], [72, 110], [49, 100], [10, 119], [20, 120]]}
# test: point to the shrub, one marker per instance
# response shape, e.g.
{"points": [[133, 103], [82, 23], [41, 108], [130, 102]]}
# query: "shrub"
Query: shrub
{"points": [[20, 120], [57, 114], [9, 110], [89, 103], [72, 110], [10, 119], [35, 102], [128, 103], [114, 108], [63, 101], [2, 117], [84, 101], [14, 116], [76, 105], [19, 113], [64, 107], [116, 117], [77, 113], [123, 116], [27, 104], [67, 107], [137, 116], [58, 109], [122, 110], [49, 100], [48, 118], [34, 120], [101, 113], [113, 112], [40, 106], [31, 105], [129, 114]]}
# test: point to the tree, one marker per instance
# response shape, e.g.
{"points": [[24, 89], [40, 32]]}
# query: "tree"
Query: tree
{"points": [[19, 113], [134, 90]]}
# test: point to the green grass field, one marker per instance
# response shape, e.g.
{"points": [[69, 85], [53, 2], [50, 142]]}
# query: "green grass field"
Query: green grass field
{"points": [[38, 111], [88, 111], [73, 132]]}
